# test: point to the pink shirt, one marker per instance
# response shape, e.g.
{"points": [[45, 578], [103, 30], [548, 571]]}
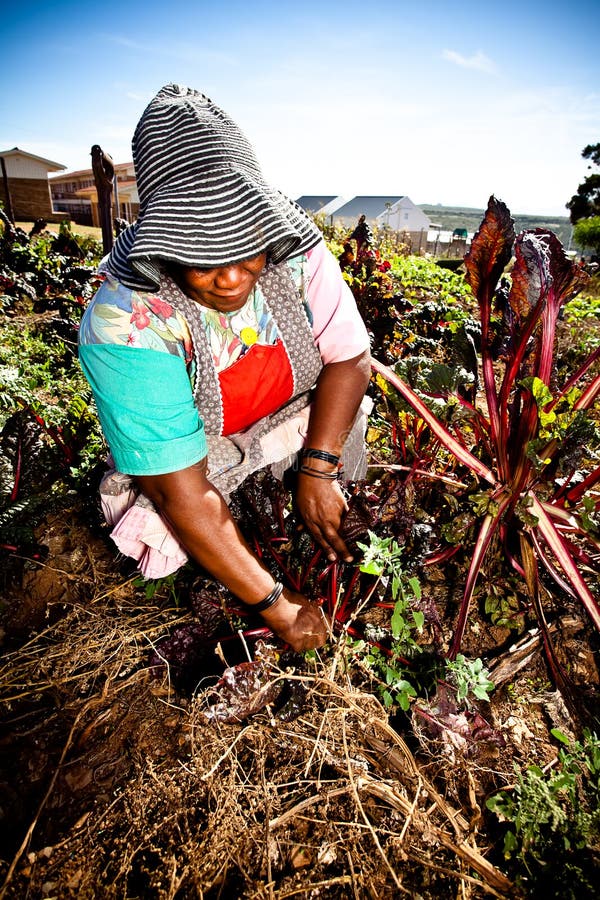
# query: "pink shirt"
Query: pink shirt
{"points": [[338, 329]]}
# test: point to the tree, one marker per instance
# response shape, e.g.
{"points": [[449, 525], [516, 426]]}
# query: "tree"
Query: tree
{"points": [[587, 233], [586, 202]]}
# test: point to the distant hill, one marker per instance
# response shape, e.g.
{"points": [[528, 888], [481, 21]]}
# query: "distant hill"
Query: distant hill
{"points": [[451, 217]]}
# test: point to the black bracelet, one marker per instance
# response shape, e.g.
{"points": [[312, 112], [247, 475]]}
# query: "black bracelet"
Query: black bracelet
{"points": [[315, 473], [269, 600], [311, 453]]}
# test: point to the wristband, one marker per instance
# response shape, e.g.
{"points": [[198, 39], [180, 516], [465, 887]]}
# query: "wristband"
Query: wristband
{"points": [[311, 453], [316, 473], [270, 600]]}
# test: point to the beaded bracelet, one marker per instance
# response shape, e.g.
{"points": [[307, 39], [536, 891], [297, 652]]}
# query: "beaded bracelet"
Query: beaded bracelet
{"points": [[315, 473], [311, 453], [269, 600]]}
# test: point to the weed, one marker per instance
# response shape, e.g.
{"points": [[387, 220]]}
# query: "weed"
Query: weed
{"points": [[385, 655], [553, 821], [469, 676]]}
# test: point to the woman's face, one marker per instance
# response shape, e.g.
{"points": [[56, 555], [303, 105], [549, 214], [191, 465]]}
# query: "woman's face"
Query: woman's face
{"points": [[225, 288]]}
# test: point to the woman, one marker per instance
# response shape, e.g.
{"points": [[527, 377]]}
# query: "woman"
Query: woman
{"points": [[223, 339]]}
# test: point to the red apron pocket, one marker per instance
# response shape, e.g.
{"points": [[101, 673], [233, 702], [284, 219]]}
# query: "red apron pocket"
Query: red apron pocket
{"points": [[256, 385]]}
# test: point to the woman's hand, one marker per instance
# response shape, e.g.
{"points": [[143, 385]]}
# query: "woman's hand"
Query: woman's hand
{"points": [[296, 621], [322, 506]]}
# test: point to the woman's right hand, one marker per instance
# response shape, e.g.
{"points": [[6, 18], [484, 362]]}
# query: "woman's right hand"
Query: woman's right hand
{"points": [[296, 621]]}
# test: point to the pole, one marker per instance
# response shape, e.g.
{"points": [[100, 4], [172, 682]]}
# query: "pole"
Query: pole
{"points": [[104, 171], [9, 207], [116, 192]]}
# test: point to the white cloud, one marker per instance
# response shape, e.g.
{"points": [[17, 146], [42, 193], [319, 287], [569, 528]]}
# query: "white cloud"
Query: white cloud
{"points": [[478, 61]]}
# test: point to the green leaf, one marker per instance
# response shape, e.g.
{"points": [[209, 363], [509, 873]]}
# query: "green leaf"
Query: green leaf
{"points": [[511, 844], [404, 701], [555, 732], [415, 587], [372, 568]]}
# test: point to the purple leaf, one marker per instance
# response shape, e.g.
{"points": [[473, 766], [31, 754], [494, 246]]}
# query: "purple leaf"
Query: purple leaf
{"points": [[530, 275], [491, 250], [245, 689], [490, 253]]}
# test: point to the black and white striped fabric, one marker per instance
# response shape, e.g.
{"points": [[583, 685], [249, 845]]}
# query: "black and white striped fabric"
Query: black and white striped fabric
{"points": [[203, 199]]}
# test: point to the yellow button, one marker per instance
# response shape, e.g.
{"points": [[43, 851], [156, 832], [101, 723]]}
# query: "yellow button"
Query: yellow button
{"points": [[248, 336]]}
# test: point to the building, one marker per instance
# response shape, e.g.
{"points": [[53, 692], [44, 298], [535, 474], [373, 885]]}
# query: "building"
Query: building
{"points": [[403, 215], [348, 214], [75, 193], [24, 187], [396, 212], [320, 205]]}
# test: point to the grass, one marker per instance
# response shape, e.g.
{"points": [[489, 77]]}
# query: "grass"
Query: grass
{"points": [[84, 230]]}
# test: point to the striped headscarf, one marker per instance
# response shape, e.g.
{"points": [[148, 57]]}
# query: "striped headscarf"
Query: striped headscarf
{"points": [[203, 199]]}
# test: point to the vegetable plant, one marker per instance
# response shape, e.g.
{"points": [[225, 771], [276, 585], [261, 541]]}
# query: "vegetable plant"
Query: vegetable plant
{"points": [[532, 491]]}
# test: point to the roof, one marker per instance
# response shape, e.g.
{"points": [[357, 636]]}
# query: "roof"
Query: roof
{"points": [[313, 203], [370, 207], [49, 163]]}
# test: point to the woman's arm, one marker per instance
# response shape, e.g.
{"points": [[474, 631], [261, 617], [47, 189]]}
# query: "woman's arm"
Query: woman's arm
{"points": [[338, 393], [199, 517]]}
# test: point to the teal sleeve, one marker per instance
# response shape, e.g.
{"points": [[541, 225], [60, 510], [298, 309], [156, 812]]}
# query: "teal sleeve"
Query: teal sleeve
{"points": [[146, 408]]}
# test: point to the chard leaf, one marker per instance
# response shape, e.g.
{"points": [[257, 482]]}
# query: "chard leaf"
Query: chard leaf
{"points": [[568, 277], [543, 398], [439, 430], [564, 285], [560, 549], [531, 278], [491, 250]]}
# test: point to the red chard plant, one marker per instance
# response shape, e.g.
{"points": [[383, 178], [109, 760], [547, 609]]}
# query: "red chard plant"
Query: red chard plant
{"points": [[529, 442]]}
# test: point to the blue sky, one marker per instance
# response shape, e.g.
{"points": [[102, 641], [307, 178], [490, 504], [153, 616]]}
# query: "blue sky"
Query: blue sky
{"points": [[445, 102]]}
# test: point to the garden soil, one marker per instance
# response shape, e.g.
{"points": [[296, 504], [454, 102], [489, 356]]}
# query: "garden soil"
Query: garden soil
{"points": [[118, 783]]}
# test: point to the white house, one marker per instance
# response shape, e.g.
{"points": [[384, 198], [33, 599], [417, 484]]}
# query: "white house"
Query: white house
{"points": [[24, 188], [403, 215]]}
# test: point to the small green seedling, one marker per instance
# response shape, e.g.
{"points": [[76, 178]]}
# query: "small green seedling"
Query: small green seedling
{"points": [[469, 676]]}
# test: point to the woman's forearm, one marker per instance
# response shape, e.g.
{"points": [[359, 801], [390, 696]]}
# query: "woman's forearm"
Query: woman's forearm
{"points": [[339, 391], [201, 521]]}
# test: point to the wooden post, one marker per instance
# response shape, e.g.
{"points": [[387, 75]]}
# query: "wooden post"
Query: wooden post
{"points": [[104, 171], [116, 192], [9, 208]]}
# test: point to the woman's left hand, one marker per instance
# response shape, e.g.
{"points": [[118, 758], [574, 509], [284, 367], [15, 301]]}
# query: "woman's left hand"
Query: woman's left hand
{"points": [[322, 506]]}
